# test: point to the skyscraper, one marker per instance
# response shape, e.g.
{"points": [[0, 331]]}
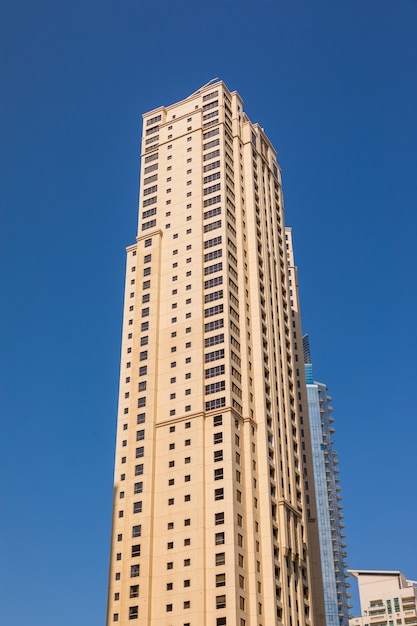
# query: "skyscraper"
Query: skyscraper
{"points": [[328, 498], [210, 522]]}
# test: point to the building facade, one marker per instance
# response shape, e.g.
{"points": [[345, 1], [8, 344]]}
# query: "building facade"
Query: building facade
{"points": [[387, 598], [210, 521], [328, 499]]}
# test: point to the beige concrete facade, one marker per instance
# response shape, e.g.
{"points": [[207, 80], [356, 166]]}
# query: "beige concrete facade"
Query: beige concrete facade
{"points": [[387, 599], [210, 526]]}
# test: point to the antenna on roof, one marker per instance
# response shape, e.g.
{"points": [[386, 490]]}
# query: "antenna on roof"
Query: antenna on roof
{"points": [[213, 80]]}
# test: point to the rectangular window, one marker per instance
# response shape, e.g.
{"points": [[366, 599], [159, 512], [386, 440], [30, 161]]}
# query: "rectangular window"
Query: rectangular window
{"points": [[212, 226], [219, 494], [219, 518], [140, 452], [218, 455], [215, 387], [137, 507], [220, 580], [134, 571], [136, 531], [139, 470], [218, 474], [220, 558], [214, 356], [219, 539], [136, 550], [220, 602]]}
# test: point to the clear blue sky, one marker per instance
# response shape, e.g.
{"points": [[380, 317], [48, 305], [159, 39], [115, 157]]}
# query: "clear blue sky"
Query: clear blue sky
{"points": [[334, 85]]}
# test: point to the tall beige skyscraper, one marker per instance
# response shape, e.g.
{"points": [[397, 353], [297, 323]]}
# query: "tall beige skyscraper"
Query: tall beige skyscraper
{"points": [[210, 521]]}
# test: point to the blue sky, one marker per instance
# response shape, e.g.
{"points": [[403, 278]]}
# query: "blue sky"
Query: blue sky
{"points": [[334, 85]]}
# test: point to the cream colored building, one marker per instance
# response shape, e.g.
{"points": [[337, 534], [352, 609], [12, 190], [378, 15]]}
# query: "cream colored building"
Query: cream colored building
{"points": [[387, 599], [212, 468]]}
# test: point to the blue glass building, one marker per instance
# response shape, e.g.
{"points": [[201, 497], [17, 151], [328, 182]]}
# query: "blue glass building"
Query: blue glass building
{"points": [[328, 498]]}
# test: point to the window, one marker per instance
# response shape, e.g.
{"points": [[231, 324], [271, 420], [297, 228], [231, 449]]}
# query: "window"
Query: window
{"points": [[220, 602], [134, 571], [219, 539], [218, 438], [220, 558], [170, 501], [169, 608], [139, 469], [219, 518], [136, 531], [187, 522], [187, 542], [219, 494], [187, 459], [221, 621], [170, 565], [187, 562], [187, 583], [217, 420], [140, 435], [138, 487], [137, 507], [134, 591], [169, 586], [140, 452], [187, 442], [220, 580], [218, 455], [187, 604], [136, 550], [170, 545], [218, 474], [115, 617], [187, 497]]}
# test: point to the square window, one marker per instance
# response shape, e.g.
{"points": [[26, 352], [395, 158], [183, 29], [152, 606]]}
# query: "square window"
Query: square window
{"points": [[187, 562], [187, 583], [187, 604], [169, 608], [187, 542], [187, 442], [187, 497], [170, 565], [172, 428], [187, 459], [171, 464], [170, 501], [187, 522], [170, 525], [169, 586]]}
